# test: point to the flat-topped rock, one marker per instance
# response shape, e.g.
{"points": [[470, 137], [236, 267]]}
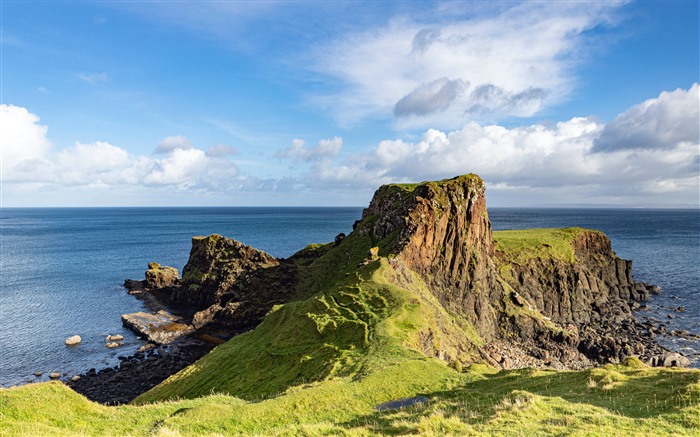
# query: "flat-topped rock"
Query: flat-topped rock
{"points": [[161, 327]]}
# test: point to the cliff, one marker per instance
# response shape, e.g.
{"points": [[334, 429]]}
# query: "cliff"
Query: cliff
{"points": [[552, 296], [421, 275]]}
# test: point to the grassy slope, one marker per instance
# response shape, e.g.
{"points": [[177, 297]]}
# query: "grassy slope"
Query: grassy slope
{"points": [[320, 365], [613, 400]]}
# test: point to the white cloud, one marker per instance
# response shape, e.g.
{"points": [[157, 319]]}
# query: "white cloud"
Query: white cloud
{"points": [[28, 159], [513, 63], [327, 148], [660, 123], [559, 163], [93, 78], [23, 139], [168, 144]]}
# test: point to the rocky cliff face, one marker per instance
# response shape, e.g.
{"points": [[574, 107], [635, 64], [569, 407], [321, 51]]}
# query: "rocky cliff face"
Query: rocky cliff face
{"points": [[218, 266], [539, 310], [441, 231], [597, 285], [558, 298]]}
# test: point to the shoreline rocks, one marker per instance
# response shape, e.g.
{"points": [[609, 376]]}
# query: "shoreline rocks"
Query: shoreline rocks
{"points": [[73, 340], [137, 373], [161, 327]]}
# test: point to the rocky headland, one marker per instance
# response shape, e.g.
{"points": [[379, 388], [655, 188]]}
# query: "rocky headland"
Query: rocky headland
{"points": [[549, 298]]}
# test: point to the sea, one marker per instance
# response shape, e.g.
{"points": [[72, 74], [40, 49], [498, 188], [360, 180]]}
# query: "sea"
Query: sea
{"points": [[62, 269]]}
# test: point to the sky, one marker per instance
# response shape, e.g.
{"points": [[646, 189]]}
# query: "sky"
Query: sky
{"points": [[236, 103]]}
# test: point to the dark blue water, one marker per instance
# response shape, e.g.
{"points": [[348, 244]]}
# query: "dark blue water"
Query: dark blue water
{"points": [[61, 270]]}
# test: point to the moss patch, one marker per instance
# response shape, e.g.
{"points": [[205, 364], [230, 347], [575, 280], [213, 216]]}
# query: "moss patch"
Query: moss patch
{"points": [[519, 246]]}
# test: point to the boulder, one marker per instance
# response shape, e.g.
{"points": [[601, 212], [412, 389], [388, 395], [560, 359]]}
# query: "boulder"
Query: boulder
{"points": [[161, 327], [670, 359], [54, 375], [113, 344], [116, 337], [146, 347], [74, 340]]}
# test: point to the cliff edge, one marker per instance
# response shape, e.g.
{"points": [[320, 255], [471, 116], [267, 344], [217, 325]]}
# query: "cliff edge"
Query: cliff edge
{"points": [[422, 276]]}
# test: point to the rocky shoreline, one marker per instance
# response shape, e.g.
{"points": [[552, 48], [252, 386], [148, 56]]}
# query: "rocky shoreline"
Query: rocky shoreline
{"points": [[173, 342], [560, 299], [138, 373]]}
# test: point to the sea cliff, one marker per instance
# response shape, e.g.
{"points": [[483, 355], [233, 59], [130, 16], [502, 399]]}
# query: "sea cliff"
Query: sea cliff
{"points": [[421, 305]]}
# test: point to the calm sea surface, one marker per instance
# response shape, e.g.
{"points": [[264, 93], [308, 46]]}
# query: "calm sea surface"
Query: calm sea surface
{"points": [[61, 270]]}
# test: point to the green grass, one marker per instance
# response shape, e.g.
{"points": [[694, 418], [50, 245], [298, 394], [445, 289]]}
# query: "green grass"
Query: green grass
{"points": [[522, 245], [612, 400], [362, 333]]}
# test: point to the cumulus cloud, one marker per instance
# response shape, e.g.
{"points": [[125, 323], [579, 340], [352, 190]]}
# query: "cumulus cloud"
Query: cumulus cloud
{"points": [[515, 62], [168, 144], [23, 139], [326, 149], [561, 161], [28, 158], [657, 124]]}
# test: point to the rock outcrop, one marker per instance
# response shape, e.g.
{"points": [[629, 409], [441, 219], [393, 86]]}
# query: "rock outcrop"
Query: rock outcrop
{"points": [[562, 312], [161, 328], [565, 301], [217, 266]]}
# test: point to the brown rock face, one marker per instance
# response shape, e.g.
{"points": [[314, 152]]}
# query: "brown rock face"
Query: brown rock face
{"points": [[595, 287], [441, 231], [545, 311], [215, 265]]}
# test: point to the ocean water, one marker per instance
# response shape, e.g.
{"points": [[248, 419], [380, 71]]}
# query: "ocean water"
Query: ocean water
{"points": [[61, 270]]}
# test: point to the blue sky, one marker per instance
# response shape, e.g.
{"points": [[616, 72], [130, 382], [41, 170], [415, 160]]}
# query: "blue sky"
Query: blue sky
{"points": [[316, 103]]}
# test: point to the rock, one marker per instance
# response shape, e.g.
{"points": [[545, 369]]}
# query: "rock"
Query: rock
{"points": [[38, 374], [679, 309], [158, 276], [682, 333], [146, 347], [205, 316], [113, 344], [75, 378], [161, 327], [338, 238], [134, 285], [670, 359], [54, 375], [518, 300], [116, 337], [215, 267], [74, 340], [674, 359]]}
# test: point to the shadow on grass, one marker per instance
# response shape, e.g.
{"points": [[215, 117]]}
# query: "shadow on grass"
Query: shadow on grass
{"points": [[634, 394]]}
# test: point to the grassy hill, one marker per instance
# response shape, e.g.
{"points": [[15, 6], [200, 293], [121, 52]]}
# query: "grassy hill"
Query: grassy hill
{"points": [[370, 331], [321, 365]]}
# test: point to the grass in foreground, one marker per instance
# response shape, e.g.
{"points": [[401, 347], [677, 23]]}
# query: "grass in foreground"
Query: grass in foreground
{"points": [[319, 366], [612, 400]]}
